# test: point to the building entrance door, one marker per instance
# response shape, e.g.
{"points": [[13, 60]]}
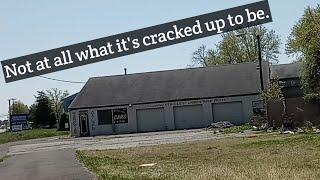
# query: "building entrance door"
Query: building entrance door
{"points": [[84, 123]]}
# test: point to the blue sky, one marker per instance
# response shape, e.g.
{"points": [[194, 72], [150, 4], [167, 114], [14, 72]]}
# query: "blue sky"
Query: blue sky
{"points": [[32, 26]]}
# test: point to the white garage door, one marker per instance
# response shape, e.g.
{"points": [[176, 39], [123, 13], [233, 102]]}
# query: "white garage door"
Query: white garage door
{"points": [[231, 112], [151, 120], [188, 117]]}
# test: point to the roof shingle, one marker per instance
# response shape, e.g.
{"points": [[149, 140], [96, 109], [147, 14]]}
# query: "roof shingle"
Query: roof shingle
{"points": [[161, 86]]}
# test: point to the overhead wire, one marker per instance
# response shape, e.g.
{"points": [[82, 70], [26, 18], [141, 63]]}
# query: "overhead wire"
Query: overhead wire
{"points": [[62, 80]]}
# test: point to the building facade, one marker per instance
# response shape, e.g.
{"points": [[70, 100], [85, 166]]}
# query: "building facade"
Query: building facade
{"points": [[167, 100], [296, 108]]}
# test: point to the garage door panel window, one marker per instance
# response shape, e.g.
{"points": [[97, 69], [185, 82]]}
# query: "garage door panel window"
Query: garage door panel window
{"points": [[104, 117]]}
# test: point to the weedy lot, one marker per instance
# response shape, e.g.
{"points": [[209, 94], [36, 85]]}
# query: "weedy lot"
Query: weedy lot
{"points": [[30, 134], [266, 156]]}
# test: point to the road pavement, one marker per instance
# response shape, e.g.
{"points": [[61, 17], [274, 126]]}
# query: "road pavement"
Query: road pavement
{"points": [[118, 141]]}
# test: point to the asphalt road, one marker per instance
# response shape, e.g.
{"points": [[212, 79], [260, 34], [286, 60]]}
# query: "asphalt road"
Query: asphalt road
{"points": [[55, 165]]}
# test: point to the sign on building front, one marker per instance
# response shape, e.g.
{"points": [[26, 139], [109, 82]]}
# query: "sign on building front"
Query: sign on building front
{"points": [[120, 116]]}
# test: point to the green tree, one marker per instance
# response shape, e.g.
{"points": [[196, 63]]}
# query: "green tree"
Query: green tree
{"points": [[56, 96], [304, 43], [63, 120], [274, 92], [33, 112], [19, 108], [42, 113], [240, 46]]}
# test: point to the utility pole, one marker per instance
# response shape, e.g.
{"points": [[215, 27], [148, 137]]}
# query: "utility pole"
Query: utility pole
{"points": [[260, 62], [13, 104], [9, 113], [259, 57]]}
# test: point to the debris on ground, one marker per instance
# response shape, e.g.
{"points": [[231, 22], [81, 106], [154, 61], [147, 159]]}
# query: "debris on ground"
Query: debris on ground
{"points": [[270, 130], [221, 124], [299, 130], [147, 165], [208, 148], [259, 122], [251, 136], [288, 132]]}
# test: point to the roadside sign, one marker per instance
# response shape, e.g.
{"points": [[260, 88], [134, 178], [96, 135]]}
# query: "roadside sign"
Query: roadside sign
{"points": [[16, 128], [19, 121]]}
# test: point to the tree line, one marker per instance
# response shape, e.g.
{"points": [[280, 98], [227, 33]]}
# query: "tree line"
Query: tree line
{"points": [[241, 46], [46, 111]]}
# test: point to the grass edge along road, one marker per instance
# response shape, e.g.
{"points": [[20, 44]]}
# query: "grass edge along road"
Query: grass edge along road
{"points": [[30, 134], [263, 157]]}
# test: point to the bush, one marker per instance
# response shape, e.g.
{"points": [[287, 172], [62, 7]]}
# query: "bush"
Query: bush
{"points": [[260, 122], [307, 127]]}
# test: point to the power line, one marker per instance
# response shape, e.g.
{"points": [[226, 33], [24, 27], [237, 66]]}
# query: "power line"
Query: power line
{"points": [[61, 80]]}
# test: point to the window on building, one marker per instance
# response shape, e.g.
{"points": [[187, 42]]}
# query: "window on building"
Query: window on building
{"points": [[120, 116], [104, 117], [258, 108]]}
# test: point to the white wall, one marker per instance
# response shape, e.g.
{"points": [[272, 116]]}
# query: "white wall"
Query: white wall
{"points": [[131, 126]]}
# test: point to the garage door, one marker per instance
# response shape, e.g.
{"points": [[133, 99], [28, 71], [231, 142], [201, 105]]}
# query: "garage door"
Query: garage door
{"points": [[151, 120], [231, 112], [188, 117]]}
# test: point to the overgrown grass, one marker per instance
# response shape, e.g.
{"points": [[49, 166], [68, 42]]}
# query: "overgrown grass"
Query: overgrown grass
{"points": [[261, 157], [4, 158], [237, 129], [30, 134]]}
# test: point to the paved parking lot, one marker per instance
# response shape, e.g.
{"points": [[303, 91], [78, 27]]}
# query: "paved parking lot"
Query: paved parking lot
{"points": [[115, 141]]}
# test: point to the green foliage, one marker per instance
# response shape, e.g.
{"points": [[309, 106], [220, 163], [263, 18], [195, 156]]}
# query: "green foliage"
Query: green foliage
{"points": [[288, 141], [304, 43], [264, 156], [63, 119], [19, 108], [29, 134], [307, 127], [33, 116], [52, 120], [237, 129], [240, 46], [41, 111], [4, 158], [56, 96], [274, 92], [48, 108], [259, 121]]}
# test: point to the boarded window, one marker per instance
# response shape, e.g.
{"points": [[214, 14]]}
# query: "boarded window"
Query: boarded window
{"points": [[104, 117]]}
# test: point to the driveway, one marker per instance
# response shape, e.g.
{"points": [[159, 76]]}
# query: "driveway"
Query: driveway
{"points": [[117, 141], [56, 164], [54, 158]]}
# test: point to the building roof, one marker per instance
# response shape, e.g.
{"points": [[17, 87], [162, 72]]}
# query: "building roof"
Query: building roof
{"points": [[286, 71], [67, 101], [162, 86]]}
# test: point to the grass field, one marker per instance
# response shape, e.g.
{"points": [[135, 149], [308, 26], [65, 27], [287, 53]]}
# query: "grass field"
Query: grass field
{"points": [[237, 129], [30, 134], [262, 157]]}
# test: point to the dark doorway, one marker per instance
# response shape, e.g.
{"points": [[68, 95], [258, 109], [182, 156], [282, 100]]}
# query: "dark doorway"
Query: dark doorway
{"points": [[84, 123]]}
